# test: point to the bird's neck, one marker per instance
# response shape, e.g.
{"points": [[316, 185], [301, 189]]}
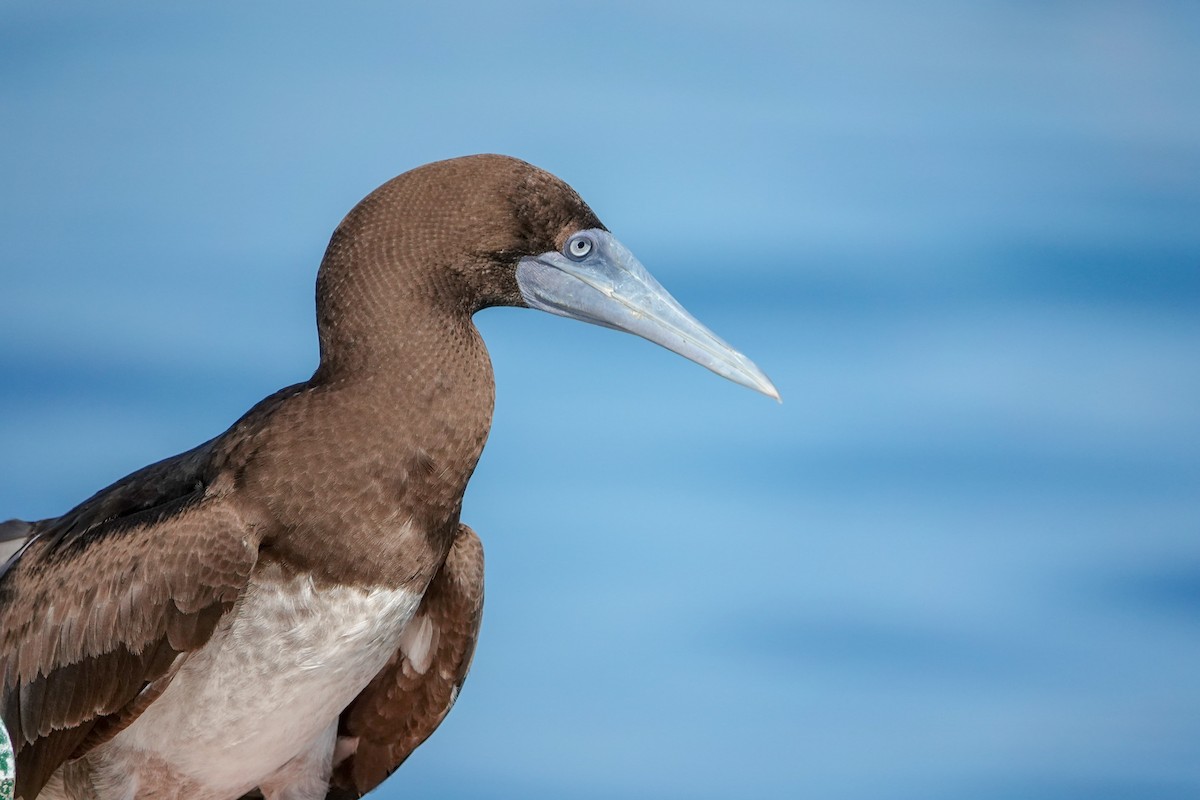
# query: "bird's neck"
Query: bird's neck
{"points": [[391, 425], [400, 423], [423, 398], [406, 357]]}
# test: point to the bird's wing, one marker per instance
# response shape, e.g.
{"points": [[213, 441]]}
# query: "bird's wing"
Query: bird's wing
{"points": [[411, 696], [98, 607]]}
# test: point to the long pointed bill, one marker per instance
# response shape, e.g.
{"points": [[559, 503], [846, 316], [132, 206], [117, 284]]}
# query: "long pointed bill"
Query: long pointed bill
{"points": [[606, 285]]}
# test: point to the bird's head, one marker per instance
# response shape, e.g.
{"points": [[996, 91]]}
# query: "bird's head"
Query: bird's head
{"points": [[489, 230]]}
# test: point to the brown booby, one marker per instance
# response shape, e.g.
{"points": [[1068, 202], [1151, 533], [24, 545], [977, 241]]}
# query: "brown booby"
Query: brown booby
{"points": [[291, 607]]}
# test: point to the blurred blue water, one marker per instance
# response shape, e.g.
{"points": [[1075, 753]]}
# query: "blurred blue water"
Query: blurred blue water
{"points": [[961, 560]]}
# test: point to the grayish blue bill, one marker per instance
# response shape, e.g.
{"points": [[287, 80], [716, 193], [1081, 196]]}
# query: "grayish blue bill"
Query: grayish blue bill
{"points": [[596, 279]]}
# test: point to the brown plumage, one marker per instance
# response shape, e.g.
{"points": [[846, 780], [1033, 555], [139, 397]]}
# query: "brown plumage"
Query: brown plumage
{"points": [[335, 499]]}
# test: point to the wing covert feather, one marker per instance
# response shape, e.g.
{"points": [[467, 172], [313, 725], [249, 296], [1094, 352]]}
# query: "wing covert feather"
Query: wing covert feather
{"points": [[88, 621]]}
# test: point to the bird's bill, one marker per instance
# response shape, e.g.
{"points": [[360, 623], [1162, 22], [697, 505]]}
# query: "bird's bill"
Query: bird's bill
{"points": [[608, 286]]}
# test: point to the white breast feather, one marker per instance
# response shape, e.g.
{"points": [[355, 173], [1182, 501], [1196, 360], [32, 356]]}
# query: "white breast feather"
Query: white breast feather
{"points": [[278, 670]]}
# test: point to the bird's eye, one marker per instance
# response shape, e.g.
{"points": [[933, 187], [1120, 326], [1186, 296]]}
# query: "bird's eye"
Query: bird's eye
{"points": [[579, 247]]}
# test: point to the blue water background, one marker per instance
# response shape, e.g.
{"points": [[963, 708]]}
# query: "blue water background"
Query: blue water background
{"points": [[962, 559]]}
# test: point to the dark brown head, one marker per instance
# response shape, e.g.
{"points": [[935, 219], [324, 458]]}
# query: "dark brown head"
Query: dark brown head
{"points": [[430, 248], [451, 233]]}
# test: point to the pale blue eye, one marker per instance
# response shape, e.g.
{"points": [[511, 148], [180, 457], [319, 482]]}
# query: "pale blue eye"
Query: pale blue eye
{"points": [[579, 247]]}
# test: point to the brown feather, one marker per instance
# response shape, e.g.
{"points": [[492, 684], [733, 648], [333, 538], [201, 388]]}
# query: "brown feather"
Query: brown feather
{"points": [[64, 686]]}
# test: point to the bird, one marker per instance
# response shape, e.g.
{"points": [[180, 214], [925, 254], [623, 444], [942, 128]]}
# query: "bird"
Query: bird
{"points": [[289, 609]]}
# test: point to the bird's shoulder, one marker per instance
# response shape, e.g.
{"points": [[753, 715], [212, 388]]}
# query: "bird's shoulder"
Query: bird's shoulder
{"points": [[160, 490]]}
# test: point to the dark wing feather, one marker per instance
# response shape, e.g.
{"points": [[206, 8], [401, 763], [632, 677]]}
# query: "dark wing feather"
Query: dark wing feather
{"points": [[406, 702], [158, 488], [102, 601]]}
